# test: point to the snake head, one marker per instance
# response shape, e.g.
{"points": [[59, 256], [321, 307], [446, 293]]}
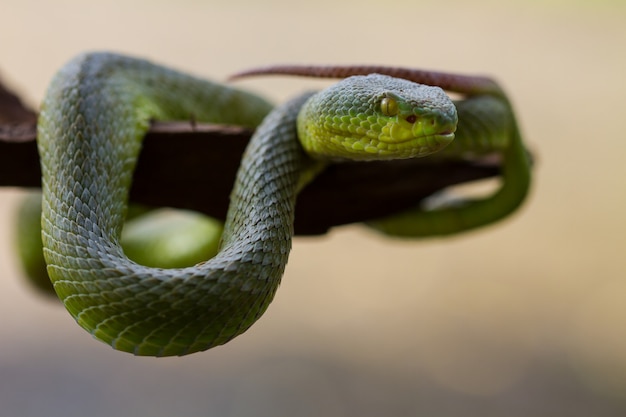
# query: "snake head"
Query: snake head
{"points": [[376, 117]]}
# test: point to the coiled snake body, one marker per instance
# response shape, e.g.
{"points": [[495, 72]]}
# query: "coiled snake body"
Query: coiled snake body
{"points": [[92, 121]]}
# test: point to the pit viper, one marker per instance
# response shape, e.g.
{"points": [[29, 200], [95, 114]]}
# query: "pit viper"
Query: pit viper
{"points": [[93, 118]]}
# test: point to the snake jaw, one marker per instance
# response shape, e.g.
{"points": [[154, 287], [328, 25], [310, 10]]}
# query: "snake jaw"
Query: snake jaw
{"points": [[375, 138], [409, 134]]}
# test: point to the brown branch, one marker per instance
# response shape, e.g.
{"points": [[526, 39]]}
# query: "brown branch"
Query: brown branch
{"points": [[193, 166]]}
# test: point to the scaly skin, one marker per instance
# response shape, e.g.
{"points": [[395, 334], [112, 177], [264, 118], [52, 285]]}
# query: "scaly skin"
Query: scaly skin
{"points": [[93, 118]]}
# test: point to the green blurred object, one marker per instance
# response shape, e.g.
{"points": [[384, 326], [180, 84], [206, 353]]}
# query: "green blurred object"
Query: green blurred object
{"points": [[160, 238], [29, 245], [168, 238]]}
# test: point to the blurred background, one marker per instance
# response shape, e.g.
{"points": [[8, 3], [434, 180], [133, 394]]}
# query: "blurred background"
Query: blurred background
{"points": [[524, 318]]}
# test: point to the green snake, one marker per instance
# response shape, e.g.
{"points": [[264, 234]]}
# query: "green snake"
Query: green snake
{"points": [[92, 121]]}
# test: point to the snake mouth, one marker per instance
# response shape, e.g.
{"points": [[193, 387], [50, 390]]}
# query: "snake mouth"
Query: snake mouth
{"points": [[418, 146], [438, 141], [445, 137], [410, 129]]}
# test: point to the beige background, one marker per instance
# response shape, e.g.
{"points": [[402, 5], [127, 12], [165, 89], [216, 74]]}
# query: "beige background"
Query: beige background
{"points": [[526, 318]]}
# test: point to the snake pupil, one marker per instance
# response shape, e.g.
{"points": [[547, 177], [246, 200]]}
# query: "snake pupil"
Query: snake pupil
{"points": [[389, 106]]}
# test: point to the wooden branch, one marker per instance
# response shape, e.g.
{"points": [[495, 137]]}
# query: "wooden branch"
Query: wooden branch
{"points": [[193, 166]]}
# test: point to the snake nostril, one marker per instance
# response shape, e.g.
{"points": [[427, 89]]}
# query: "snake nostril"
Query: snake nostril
{"points": [[411, 118]]}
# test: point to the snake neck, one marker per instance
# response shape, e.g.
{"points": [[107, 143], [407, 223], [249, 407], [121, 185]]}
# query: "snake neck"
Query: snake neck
{"points": [[271, 175]]}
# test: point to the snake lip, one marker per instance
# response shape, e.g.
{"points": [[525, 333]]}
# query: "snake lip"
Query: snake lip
{"points": [[447, 134], [444, 136]]}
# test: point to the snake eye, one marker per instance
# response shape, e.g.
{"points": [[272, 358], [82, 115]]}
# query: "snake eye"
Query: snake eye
{"points": [[389, 106]]}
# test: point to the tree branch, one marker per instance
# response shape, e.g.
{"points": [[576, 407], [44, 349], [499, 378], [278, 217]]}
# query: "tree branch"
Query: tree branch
{"points": [[193, 166]]}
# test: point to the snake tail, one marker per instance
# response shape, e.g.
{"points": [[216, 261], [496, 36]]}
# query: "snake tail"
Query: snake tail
{"points": [[458, 83]]}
